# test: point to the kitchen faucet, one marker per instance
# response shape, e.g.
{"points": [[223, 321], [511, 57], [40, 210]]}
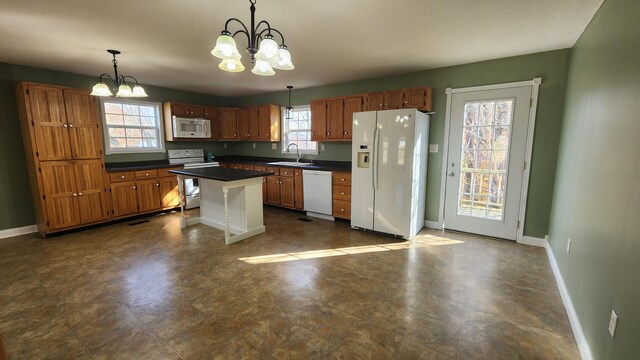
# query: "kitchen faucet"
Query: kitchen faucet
{"points": [[297, 151]]}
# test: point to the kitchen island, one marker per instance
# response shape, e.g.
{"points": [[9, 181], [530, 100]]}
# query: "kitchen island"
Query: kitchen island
{"points": [[230, 200]]}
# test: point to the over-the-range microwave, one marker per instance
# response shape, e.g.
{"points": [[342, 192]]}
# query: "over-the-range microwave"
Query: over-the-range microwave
{"points": [[191, 128]]}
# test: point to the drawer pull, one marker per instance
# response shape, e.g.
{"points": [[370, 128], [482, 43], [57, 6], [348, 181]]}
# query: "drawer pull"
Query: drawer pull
{"points": [[147, 174], [122, 177], [342, 179], [342, 193]]}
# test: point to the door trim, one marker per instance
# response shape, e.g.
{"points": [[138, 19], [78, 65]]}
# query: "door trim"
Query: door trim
{"points": [[535, 88]]}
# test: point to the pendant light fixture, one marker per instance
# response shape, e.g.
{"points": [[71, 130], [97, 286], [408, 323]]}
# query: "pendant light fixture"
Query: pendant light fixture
{"points": [[120, 86], [289, 108], [266, 54]]}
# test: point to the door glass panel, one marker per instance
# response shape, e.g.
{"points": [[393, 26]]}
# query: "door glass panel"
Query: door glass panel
{"points": [[487, 127]]}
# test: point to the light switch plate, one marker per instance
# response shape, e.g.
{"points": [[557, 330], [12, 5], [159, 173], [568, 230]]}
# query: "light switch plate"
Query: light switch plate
{"points": [[225, 145], [274, 146], [568, 246], [321, 147], [433, 148], [254, 145], [613, 323]]}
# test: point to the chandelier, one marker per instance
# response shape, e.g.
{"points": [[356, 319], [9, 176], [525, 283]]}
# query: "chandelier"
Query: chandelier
{"points": [[266, 56], [120, 86]]}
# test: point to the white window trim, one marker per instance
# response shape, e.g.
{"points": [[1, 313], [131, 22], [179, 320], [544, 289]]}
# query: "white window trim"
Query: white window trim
{"points": [[109, 151], [285, 130]]}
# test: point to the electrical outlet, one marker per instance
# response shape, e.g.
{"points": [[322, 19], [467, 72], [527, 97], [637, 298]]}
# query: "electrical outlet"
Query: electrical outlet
{"points": [[274, 146], [613, 323], [254, 145], [433, 148], [568, 245], [321, 147], [225, 145]]}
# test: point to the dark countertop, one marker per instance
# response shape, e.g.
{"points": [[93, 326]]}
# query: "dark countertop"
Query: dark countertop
{"points": [[137, 165], [221, 174]]}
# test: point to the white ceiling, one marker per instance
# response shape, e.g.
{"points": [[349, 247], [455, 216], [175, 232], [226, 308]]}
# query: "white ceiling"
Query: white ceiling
{"points": [[167, 42]]}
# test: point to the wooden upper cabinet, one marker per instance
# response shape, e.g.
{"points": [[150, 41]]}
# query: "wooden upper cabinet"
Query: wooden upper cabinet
{"points": [[419, 98], [92, 196], [211, 113], [49, 121], [335, 119], [186, 110], [148, 195], [83, 124], [375, 101], [268, 122], [59, 194], [253, 123], [352, 104], [228, 123], [124, 200], [318, 120], [393, 99], [243, 124]]}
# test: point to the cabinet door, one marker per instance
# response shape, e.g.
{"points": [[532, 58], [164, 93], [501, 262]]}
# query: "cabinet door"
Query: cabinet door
{"points": [[254, 123], [415, 98], [273, 191], [228, 124], [92, 195], [243, 124], [393, 99], [269, 122], [211, 113], [148, 195], [196, 111], [335, 118], [375, 101], [49, 122], [124, 201], [180, 110], [287, 192], [299, 190], [169, 195], [351, 105], [60, 194], [84, 124], [318, 120]]}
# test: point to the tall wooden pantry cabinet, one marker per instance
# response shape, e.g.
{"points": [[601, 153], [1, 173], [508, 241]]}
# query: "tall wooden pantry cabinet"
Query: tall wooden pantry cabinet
{"points": [[63, 145]]}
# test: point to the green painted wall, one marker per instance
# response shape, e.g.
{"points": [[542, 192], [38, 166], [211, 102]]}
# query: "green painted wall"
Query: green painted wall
{"points": [[551, 66], [16, 207], [597, 198]]}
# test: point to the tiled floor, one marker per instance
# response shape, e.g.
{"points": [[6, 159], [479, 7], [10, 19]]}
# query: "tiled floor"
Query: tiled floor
{"points": [[302, 290]]}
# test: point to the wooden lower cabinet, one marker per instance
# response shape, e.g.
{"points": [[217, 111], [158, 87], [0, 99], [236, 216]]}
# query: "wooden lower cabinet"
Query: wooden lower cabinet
{"points": [[273, 190], [298, 189], [170, 196], [287, 194], [341, 194], [93, 202], [124, 199], [148, 194]]}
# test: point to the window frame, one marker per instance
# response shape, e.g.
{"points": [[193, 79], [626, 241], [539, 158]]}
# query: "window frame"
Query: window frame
{"points": [[285, 131], [159, 126]]}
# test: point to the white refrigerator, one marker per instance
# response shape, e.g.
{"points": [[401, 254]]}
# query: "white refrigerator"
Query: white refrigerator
{"points": [[389, 171]]}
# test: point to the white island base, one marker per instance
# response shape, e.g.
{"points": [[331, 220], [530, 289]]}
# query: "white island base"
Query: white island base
{"points": [[232, 206]]}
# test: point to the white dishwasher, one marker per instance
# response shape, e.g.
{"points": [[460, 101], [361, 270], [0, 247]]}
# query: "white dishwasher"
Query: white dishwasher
{"points": [[317, 193]]}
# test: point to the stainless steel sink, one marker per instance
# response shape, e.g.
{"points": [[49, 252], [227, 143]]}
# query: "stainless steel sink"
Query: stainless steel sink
{"points": [[288, 163]]}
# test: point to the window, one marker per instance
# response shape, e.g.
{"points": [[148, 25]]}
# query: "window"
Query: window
{"points": [[131, 126], [298, 130]]}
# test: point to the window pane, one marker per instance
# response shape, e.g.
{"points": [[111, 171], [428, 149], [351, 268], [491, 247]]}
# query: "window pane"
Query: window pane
{"points": [[114, 119], [149, 133], [117, 142], [132, 120], [131, 109], [147, 111], [134, 142], [147, 121], [111, 108], [134, 133], [116, 132]]}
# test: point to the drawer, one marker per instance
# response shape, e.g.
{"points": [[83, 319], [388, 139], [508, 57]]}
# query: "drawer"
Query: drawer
{"points": [[122, 176], [274, 170], [236, 166], [147, 174], [248, 167], [342, 178], [342, 193], [285, 171], [260, 168], [165, 172], [342, 209]]}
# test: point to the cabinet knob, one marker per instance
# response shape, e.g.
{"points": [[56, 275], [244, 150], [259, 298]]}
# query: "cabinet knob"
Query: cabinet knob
{"points": [[80, 194], [380, 105], [328, 133], [74, 194], [268, 134], [342, 193], [135, 187], [65, 125], [70, 125], [158, 185], [122, 177], [341, 210], [405, 101], [147, 174], [342, 179]]}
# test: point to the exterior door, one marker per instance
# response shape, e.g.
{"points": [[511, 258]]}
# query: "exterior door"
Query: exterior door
{"points": [[49, 122], [92, 197], [60, 195], [84, 126], [487, 145]]}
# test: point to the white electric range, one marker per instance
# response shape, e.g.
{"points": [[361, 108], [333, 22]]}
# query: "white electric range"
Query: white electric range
{"points": [[190, 159]]}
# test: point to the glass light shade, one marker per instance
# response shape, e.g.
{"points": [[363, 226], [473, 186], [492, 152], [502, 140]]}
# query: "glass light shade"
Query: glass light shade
{"points": [[268, 50], [138, 91], [101, 89], [231, 65], [263, 68], [284, 63], [124, 90], [225, 48]]}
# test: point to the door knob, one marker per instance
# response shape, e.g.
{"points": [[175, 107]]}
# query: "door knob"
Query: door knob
{"points": [[452, 164], [451, 173]]}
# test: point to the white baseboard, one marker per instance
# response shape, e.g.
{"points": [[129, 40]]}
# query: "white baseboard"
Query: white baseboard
{"points": [[320, 216], [433, 224], [534, 241], [7, 233], [583, 346]]}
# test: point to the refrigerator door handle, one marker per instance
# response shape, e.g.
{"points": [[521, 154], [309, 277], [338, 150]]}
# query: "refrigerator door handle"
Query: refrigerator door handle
{"points": [[374, 168]]}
